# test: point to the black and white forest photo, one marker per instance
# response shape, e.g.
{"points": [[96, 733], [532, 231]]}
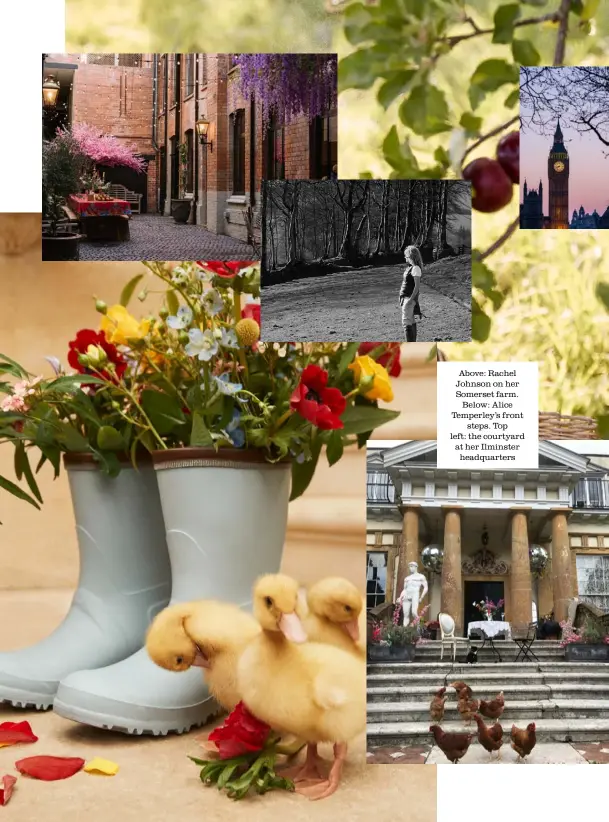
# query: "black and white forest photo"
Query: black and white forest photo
{"points": [[353, 260]]}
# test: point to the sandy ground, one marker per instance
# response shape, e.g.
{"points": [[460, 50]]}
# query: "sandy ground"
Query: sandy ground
{"points": [[363, 305], [156, 781]]}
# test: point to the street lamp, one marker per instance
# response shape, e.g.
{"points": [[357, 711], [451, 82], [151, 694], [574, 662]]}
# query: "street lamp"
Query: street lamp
{"points": [[50, 90], [202, 126]]}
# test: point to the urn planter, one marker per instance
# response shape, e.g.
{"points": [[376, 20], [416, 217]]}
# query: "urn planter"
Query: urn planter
{"points": [[586, 652], [180, 210], [61, 247], [390, 653]]}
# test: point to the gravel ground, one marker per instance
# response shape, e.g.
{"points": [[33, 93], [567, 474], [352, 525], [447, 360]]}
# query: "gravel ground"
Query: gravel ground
{"points": [[363, 305]]}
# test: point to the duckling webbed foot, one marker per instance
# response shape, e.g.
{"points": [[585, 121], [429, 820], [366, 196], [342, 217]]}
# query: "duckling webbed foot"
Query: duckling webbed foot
{"points": [[307, 771], [326, 787]]}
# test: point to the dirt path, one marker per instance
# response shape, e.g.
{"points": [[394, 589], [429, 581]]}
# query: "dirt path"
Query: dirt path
{"points": [[363, 305]]}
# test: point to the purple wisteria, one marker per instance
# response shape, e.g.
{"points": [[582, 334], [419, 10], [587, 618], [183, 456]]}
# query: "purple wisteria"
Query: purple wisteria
{"points": [[289, 85]]}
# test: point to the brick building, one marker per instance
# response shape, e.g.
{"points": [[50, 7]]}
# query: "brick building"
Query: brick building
{"points": [[154, 102]]}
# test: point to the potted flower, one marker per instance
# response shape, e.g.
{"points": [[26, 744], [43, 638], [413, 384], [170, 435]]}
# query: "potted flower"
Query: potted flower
{"points": [[180, 208], [590, 643], [489, 609], [62, 165], [233, 427], [431, 629], [392, 642]]}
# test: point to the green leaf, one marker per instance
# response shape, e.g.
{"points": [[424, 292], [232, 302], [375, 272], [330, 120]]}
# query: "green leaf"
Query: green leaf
{"points": [[7, 365], [346, 358], [109, 439], [199, 435], [73, 382], [29, 477], [525, 53], [603, 427], [163, 411], [172, 302], [396, 83], [470, 122], [334, 447], [512, 99], [535, 2], [19, 459], [577, 7], [602, 292], [71, 438], [590, 8], [442, 156], [358, 419], [17, 492], [53, 454], [481, 323], [399, 154], [504, 20], [425, 111], [127, 292], [482, 277], [489, 76], [356, 71], [302, 472]]}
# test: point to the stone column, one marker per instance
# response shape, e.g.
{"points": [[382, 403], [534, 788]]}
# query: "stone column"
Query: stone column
{"points": [[409, 552], [561, 563], [452, 580], [521, 587], [545, 603]]}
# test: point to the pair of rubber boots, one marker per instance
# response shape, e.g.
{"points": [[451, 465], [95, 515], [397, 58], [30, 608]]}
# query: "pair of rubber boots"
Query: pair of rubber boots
{"points": [[411, 332], [136, 558]]}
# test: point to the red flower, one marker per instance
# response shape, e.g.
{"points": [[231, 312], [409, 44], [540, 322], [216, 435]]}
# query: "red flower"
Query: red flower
{"points": [[390, 359], [241, 733], [50, 768], [11, 733], [225, 269], [315, 402], [8, 783], [88, 337]]}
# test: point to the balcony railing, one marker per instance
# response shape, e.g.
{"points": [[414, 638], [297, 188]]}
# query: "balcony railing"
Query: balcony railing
{"points": [[591, 494], [379, 488]]}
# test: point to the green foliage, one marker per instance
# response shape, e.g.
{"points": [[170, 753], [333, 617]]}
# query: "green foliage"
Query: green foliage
{"points": [[505, 17], [62, 166], [489, 76], [425, 111]]}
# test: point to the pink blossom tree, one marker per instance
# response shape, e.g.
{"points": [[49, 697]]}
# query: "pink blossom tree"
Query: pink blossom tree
{"points": [[106, 150]]}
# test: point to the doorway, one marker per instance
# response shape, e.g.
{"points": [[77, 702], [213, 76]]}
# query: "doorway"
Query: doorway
{"points": [[476, 592]]}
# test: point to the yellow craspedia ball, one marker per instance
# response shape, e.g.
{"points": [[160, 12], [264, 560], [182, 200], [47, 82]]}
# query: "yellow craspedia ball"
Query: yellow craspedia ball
{"points": [[248, 332]]}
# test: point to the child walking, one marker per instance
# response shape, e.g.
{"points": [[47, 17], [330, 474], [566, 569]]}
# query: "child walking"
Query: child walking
{"points": [[409, 292]]}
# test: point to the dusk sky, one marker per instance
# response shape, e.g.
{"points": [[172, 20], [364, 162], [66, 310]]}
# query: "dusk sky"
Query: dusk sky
{"points": [[588, 168]]}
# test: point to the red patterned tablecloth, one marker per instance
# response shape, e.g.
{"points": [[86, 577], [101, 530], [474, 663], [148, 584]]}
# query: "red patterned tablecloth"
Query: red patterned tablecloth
{"points": [[97, 208]]}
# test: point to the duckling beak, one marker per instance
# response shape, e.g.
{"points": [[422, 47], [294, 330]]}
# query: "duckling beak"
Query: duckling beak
{"points": [[200, 660], [352, 628], [291, 627]]}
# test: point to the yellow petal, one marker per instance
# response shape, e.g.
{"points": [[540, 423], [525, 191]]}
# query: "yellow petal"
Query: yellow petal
{"points": [[101, 766]]}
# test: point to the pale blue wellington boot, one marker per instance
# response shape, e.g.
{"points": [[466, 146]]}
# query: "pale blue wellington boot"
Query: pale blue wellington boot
{"points": [[125, 579], [225, 519]]}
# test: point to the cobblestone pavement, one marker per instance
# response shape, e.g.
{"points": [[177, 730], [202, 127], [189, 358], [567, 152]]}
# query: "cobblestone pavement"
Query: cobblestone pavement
{"points": [[154, 237], [403, 755]]}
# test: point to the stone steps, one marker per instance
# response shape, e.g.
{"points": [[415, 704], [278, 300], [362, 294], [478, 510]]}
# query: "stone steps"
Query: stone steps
{"points": [[516, 711], [380, 734], [511, 692], [466, 672]]}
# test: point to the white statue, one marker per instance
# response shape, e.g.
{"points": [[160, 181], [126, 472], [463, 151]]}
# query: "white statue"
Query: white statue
{"points": [[415, 588]]}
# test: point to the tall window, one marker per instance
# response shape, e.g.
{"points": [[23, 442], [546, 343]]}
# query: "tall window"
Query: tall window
{"points": [[593, 579], [163, 79], [176, 78], [189, 161], [323, 145], [274, 149], [189, 74], [376, 579], [379, 487], [203, 65], [238, 151]]}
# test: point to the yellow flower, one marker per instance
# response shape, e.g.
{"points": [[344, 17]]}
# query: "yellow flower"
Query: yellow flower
{"points": [[366, 370], [120, 326], [248, 332]]}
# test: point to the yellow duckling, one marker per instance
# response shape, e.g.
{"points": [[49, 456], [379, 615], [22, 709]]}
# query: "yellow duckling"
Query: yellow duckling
{"points": [[336, 615], [312, 690], [206, 634]]}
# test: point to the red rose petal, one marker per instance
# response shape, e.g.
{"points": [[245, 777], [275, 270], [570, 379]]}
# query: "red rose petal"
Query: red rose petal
{"points": [[8, 783], [12, 733], [50, 768]]}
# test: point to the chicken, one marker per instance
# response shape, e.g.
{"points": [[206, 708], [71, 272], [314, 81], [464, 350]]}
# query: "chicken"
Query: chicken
{"points": [[453, 746], [461, 686], [490, 737], [523, 741], [312, 690], [467, 706], [494, 708], [436, 708], [206, 634], [336, 615]]}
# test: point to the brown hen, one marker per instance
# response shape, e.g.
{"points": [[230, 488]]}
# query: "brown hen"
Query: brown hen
{"points": [[461, 686], [453, 746], [490, 737], [436, 708], [467, 707], [523, 741], [494, 708]]}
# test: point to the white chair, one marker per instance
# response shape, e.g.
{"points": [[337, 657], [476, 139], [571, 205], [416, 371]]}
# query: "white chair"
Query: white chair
{"points": [[447, 634]]}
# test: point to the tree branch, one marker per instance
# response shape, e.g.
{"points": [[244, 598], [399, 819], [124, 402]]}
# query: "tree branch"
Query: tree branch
{"points": [[488, 135], [500, 241], [529, 21], [561, 40], [594, 128]]}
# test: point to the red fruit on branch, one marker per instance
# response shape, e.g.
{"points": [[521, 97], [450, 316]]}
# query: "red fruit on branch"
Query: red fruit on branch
{"points": [[491, 187], [508, 155]]}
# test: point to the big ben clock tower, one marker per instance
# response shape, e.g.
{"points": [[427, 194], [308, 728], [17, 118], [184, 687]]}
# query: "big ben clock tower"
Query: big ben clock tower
{"points": [[558, 178]]}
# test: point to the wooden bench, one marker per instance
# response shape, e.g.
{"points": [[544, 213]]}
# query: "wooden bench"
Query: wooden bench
{"points": [[120, 192]]}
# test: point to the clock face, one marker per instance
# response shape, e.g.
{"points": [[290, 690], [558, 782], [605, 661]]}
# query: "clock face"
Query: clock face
{"points": [[558, 166]]}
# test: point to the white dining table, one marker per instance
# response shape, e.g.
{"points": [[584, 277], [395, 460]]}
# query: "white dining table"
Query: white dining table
{"points": [[490, 628]]}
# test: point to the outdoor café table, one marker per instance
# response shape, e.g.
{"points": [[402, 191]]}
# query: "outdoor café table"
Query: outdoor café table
{"points": [[489, 630], [102, 219]]}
